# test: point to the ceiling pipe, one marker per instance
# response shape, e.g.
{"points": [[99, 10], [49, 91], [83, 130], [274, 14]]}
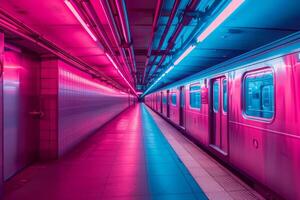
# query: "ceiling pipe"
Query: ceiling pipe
{"points": [[13, 25], [121, 7], [154, 29], [90, 14], [185, 21], [113, 27], [166, 30], [204, 18]]}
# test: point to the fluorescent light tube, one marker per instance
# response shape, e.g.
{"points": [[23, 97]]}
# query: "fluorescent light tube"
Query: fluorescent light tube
{"points": [[78, 17], [117, 68], [185, 53], [231, 7]]}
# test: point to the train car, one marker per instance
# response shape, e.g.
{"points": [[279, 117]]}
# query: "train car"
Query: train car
{"points": [[247, 116]]}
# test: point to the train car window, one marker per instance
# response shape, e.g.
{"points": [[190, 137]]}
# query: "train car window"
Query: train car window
{"points": [[225, 96], [182, 99], [173, 98], [164, 99], [195, 97], [259, 94], [216, 96]]}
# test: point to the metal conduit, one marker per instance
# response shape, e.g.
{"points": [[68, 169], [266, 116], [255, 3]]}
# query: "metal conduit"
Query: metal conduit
{"points": [[166, 30], [154, 28], [185, 21], [13, 25], [111, 22]]}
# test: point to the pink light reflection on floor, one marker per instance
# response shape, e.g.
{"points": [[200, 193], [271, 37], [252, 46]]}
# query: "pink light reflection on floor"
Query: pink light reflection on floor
{"points": [[111, 164]]}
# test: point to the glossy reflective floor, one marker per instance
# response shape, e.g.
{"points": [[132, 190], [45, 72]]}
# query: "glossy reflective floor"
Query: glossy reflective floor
{"points": [[129, 158]]}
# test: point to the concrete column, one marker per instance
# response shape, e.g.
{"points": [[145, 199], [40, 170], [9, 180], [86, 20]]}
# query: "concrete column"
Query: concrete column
{"points": [[49, 107], [1, 112]]}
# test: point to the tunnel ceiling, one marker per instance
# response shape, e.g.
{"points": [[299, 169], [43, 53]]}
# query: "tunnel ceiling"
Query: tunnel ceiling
{"points": [[145, 37]]}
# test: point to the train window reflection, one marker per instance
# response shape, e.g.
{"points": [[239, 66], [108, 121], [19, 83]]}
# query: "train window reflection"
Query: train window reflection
{"points": [[164, 99], [195, 98], [225, 96], [216, 96], [173, 98], [259, 94]]}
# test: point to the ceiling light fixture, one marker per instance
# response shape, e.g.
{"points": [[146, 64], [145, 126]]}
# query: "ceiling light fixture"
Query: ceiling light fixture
{"points": [[117, 68], [184, 54], [231, 7], [81, 21]]}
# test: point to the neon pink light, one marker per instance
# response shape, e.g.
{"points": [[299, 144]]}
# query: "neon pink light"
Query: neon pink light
{"points": [[185, 53], [85, 81], [12, 67], [122, 21], [232, 6], [78, 17], [116, 67]]}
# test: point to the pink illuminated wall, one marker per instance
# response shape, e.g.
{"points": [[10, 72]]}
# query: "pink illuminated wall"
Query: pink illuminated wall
{"points": [[74, 105], [1, 115], [84, 105]]}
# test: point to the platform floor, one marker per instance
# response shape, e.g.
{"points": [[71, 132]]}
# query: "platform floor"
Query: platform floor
{"points": [[217, 182], [136, 156]]}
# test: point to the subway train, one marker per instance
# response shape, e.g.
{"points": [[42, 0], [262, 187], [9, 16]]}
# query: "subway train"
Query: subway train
{"points": [[247, 114]]}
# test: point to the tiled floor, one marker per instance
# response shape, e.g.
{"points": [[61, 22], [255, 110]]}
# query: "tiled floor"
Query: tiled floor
{"points": [[215, 180], [128, 159]]}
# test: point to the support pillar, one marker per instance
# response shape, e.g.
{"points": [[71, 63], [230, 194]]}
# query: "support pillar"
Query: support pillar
{"points": [[1, 112], [49, 107]]}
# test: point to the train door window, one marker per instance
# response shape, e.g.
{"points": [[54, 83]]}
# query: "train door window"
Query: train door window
{"points": [[164, 99], [182, 99], [259, 94], [173, 98], [225, 96], [195, 98], [216, 89]]}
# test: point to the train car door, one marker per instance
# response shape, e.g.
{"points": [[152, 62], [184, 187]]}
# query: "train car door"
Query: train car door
{"points": [[168, 103], [219, 131], [181, 106]]}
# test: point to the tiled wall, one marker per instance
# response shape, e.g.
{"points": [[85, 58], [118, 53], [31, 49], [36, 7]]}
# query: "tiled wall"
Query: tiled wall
{"points": [[84, 105], [74, 106], [49, 104]]}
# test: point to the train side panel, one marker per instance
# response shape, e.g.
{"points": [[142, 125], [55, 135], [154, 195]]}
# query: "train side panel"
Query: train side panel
{"points": [[269, 150], [197, 123]]}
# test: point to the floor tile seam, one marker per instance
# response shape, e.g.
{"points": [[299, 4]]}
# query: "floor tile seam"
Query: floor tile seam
{"points": [[114, 163], [142, 121], [171, 149], [164, 138]]}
